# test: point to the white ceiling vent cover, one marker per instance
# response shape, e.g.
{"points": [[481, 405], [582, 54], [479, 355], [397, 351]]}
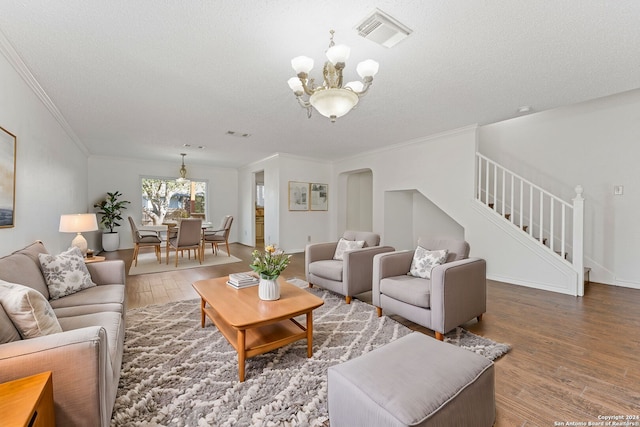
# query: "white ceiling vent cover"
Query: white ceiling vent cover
{"points": [[382, 29]]}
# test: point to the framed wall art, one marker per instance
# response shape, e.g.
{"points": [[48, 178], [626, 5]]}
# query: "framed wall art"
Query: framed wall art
{"points": [[319, 197], [298, 196], [7, 178]]}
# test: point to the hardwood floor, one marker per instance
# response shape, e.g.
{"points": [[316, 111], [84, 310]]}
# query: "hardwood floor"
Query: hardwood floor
{"points": [[573, 359]]}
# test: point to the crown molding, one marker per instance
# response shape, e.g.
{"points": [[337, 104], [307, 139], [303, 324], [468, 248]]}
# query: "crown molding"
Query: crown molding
{"points": [[21, 68]]}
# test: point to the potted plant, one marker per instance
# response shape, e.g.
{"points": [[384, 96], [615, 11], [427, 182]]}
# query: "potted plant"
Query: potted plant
{"points": [[111, 210]]}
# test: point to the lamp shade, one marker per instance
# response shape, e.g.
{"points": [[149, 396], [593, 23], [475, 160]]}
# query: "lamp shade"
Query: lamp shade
{"points": [[338, 53], [295, 84], [78, 223], [302, 64], [368, 68], [334, 103]]}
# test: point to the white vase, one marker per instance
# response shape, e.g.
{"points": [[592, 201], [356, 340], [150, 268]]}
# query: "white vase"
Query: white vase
{"points": [[110, 241], [268, 290]]}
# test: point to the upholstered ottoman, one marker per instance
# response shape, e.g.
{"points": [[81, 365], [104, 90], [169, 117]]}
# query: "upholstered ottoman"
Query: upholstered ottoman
{"points": [[413, 381]]}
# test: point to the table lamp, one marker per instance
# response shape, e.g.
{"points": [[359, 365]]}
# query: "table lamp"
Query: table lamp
{"points": [[77, 223]]}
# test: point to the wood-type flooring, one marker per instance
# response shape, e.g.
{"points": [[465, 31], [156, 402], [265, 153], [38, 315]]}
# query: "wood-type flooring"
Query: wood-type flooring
{"points": [[574, 360]]}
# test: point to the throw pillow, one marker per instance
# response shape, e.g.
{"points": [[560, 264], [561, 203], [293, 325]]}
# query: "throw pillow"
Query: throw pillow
{"points": [[29, 310], [424, 260], [65, 273], [346, 245]]}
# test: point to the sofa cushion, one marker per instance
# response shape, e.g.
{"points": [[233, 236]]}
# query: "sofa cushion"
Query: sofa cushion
{"points": [[103, 294], [65, 273], [424, 260], [80, 310], [329, 269], [23, 267], [409, 289], [29, 311], [346, 245]]}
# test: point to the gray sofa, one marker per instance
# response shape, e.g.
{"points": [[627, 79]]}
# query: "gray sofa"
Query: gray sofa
{"points": [[86, 356]]}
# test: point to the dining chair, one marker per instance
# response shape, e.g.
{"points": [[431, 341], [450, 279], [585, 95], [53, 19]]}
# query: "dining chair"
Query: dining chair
{"points": [[219, 236], [142, 238], [187, 238]]}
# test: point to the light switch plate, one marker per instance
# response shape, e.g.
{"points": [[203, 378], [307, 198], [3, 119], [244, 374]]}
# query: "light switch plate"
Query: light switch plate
{"points": [[618, 190]]}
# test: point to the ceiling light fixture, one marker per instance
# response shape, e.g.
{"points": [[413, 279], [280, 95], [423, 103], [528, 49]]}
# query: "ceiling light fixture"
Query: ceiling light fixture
{"points": [[332, 100], [183, 171]]}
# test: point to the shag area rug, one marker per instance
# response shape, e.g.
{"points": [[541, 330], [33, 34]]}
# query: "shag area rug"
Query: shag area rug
{"points": [[148, 263], [176, 373]]}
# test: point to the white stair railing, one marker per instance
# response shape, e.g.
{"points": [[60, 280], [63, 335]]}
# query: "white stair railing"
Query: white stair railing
{"points": [[553, 222]]}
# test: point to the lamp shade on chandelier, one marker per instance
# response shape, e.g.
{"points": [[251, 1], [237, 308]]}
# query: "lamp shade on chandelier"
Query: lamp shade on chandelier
{"points": [[332, 99]]}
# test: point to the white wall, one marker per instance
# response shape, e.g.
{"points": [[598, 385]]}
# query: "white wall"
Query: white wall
{"points": [[51, 169], [442, 168], [595, 144], [291, 230], [109, 174], [359, 201]]}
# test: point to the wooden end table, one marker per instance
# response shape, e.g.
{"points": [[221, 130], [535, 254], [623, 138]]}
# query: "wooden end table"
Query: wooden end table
{"points": [[27, 402], [253, 326]]}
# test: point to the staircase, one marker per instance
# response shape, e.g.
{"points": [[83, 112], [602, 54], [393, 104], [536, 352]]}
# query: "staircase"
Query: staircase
{"points": [[545, 218]]}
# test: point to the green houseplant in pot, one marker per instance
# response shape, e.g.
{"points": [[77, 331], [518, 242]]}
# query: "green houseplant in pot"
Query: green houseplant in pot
{"points": [[110, 210]]}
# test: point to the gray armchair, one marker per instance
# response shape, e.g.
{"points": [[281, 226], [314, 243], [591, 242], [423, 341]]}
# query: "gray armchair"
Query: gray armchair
{"points": [[455, 294], [350, 276]]}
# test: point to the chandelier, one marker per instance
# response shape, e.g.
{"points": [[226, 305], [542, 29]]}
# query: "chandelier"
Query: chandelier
{"points": [[332, 99], [183, 171]]}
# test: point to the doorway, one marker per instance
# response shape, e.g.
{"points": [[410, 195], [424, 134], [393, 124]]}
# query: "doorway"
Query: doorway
{"points": [[259, 208]]}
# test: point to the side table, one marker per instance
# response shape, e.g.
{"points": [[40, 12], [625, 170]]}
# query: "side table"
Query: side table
{"points": [[28, 402]]}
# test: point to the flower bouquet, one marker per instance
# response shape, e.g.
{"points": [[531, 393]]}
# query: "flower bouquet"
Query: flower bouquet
{"points": [[270, 263]]}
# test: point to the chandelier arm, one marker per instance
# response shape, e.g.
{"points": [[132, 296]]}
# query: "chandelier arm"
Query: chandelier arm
{"points": [[368, 81], [308, 89], [304, 104]]}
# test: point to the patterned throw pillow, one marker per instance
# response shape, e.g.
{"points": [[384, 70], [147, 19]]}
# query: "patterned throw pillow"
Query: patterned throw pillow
{"points": [[346, 245], [29, 310], [424, 261], [66, 273]]}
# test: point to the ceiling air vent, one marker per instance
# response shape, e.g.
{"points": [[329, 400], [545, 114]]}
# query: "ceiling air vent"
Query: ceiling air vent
{"points": [[382, 29]]}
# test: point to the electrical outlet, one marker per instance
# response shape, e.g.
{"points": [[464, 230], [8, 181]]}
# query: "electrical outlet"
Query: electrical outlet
{"points": [[308, 238], [618, 190]]}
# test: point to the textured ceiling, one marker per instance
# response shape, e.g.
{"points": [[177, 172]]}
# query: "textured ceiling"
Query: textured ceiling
{"points": [[141, 78]]}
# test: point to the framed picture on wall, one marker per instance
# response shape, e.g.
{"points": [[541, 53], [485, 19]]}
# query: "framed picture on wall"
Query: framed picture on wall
{"points": [[7, 178], [298, 196], [319, 197]]}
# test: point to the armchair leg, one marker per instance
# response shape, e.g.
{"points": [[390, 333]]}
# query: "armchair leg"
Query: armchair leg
{"points": [[439, 336], [348, 299], [379, 310], [310, 285], [479, 317]]}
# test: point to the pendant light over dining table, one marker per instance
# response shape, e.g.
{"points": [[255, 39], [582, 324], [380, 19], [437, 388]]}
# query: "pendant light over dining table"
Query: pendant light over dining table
{"points": [[332, 99], [183, 171]]}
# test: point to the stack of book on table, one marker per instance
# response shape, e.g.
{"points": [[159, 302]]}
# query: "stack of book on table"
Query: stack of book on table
{"points": [[242, 280]]}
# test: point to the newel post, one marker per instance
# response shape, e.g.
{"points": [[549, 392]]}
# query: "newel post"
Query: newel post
{"points": [[578, 238]]}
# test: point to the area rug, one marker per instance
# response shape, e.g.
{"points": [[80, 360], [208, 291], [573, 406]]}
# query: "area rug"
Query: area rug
{"points": [[175, 373], [148, 263]]}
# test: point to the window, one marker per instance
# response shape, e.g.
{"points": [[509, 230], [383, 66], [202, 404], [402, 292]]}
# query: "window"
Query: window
{"points": [[260, 195], [166, 198]]}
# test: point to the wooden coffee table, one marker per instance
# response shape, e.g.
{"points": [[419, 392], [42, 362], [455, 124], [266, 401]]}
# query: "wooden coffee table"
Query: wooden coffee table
{"points": [[253, 326]]}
